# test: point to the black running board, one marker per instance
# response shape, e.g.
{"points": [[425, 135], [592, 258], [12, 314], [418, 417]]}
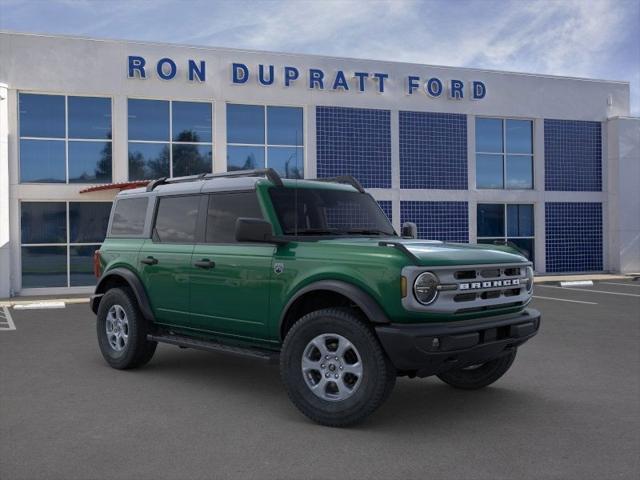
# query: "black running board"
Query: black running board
{"points": [[211, 346]]}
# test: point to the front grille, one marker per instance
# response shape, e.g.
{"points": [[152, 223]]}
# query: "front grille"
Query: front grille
{"points": [[473, 288]]}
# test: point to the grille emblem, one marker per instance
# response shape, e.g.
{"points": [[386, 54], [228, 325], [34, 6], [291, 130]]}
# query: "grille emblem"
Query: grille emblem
{"points": [[489, 284]]}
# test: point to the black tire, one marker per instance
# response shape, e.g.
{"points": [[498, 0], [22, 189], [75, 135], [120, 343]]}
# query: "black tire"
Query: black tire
{"points": [[476, 377], [378, 374], [138, 350]]}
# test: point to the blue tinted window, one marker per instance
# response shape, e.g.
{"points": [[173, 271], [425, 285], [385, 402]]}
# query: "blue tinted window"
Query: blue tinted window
{"points": [[43, 222], [519, 136], [288, 161], [520, 220], [245, 124], [42, 161], [489, 171], [489, 135], [191, 122], [490, 220], [89, 162], [519, 171], [148, 120], [284, 126], [89, 117], [190, 159], [88, 221], [244, 158], [44, 267], [148, 160], [81, 265], [41, 115]]}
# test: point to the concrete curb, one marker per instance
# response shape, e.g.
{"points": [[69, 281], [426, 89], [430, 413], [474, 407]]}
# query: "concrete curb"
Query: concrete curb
{"points": [[13, 302]]}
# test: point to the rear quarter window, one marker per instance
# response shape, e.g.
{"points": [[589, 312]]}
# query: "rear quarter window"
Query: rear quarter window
{"points": [[128, 217]]}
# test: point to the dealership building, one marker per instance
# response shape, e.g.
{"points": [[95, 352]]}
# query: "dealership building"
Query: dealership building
{"points": [[550, 163]]}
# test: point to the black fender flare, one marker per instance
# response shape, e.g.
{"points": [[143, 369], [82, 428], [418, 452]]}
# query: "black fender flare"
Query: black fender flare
{"points": [[133, 281], [363, 300]]}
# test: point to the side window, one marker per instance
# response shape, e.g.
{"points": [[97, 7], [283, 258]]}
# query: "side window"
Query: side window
{"points": [[224, 209], [128, 217], [176, 219]]}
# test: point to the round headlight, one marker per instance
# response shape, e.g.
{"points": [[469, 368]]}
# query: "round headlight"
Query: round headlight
{"points": [[529, 279], [425, 288]]}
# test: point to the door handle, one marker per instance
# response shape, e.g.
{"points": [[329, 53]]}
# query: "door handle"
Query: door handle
{"points": [[149, 261], [205, 263]]}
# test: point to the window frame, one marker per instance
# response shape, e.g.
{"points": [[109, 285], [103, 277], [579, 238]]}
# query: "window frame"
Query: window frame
{"points": [[506, 235], [265, 146], [66, 139], [504, 154], [67, 244], [170, 142]]}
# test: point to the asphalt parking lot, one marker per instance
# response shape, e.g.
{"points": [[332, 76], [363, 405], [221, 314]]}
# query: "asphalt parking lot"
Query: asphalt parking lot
{"points": [[568, 408]]}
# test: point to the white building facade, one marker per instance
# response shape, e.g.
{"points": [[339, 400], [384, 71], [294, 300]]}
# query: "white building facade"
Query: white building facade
{"points": [[551, 164]]}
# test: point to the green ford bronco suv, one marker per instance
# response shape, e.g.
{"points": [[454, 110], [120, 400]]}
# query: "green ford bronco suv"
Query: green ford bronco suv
{"points": [[312, 273]]}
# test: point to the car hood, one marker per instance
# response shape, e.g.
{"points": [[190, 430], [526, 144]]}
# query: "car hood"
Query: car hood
{"points": [[435, 253]]}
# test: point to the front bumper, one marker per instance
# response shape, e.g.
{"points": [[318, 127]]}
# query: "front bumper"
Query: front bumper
{"points": [[429, 349]]}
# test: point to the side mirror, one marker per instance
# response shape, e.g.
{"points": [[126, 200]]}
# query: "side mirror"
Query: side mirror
{"points": [[409, 230], [254, 230]]}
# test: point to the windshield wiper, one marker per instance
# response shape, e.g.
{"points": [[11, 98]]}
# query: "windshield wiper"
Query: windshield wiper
{"points": [[368, 231], [317, 231]]}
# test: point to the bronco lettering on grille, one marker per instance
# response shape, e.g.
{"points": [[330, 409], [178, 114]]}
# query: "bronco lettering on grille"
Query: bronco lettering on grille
{"points": [[489, 284]]}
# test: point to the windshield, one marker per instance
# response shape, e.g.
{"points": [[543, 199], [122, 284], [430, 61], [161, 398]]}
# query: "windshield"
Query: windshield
{"points": [[328, 212]]}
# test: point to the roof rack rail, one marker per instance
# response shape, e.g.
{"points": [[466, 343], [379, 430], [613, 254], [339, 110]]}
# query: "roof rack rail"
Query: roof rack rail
{"points": [[347, 179], [269, 173]]}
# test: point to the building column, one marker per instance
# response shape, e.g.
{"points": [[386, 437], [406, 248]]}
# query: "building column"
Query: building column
{"points": [[5, 244]]}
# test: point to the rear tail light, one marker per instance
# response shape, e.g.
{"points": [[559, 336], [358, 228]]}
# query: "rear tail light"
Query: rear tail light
{"points": [[97, 264]]}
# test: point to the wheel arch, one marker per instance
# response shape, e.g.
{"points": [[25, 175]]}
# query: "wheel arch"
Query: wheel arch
{"points": [[123, 277], [326, 293]]}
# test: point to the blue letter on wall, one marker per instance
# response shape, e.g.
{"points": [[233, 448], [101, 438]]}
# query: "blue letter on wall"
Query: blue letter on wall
{"points": [[195, 71], [362, 77], [340, 81], [136, 64], [261, 79], [412, 84], [479, 90], [433, 87], [455, 90], [316, 77], [290, 74], [172, 68], [240, 73], [381, 77]]}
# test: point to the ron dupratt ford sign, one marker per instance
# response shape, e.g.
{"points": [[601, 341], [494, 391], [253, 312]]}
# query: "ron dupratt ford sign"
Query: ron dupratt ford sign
{"points": [[313, 78]]}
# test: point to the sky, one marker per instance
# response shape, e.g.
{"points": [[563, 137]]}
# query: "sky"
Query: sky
{"points": [[579, 38]]}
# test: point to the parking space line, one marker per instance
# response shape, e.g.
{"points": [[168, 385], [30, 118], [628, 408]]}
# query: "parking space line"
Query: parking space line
{"points": [[564, 300], [590, 290], [6, 322], [623, 284]]}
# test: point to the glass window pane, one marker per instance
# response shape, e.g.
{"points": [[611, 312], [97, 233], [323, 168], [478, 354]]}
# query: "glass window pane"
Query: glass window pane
{"points": [[490, 220], [128, 217], [519, 136], [284, 126], [489, 171], [81, 265], [42, 161], [176, 219], [489, 135], [148, 160], [520, 220], [89, 117], [148, 120], [519, 171], [88, 221], [191, 121], [244, 158], [191, 159], [89, 162], [245, 124], [41, 115], [224, 210], [525, 244], [287, 161], [44, 267], [491, 241], [43, 222]]}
